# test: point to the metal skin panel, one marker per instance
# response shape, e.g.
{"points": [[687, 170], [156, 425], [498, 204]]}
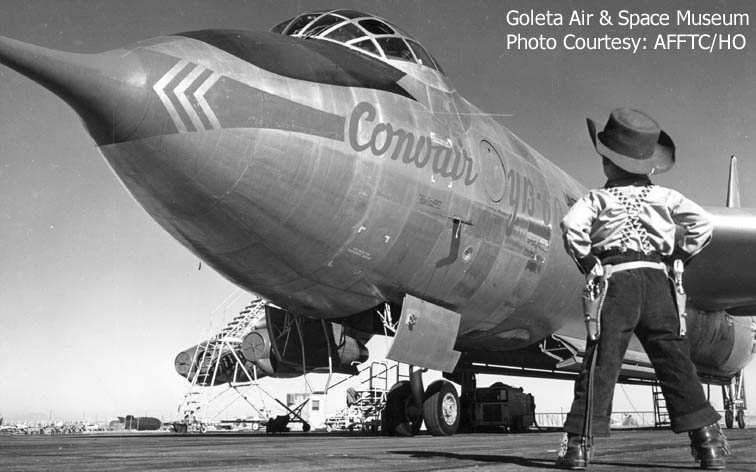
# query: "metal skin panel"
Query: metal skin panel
{"points": [[425, 336], [353, 223], [330, 197], [731, 257], [721, 346]]}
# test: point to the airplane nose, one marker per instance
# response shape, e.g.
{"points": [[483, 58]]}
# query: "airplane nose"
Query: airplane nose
{"points": [[107, 90]]}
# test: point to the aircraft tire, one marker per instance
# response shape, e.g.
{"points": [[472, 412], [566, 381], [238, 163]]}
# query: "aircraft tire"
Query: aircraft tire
{"points": [[741, 419], [441, 408], [395, 420], [728, 419]]}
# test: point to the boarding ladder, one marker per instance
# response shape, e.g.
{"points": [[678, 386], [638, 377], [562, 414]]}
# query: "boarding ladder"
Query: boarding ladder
{"points": [[228, 339], [222, 351], [661, 416]]}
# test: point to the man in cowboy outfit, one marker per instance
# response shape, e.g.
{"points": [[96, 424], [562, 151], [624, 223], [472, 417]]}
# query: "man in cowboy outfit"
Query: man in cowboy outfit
{"points": [[626, 231]]}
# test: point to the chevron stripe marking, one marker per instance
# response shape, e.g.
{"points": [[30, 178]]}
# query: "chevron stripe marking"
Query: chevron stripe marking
{"points": [[180, 92], [159, 90], [200, 96]]}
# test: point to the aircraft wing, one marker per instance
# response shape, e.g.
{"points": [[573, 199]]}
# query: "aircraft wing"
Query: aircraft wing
{"points": [[723, 276]]}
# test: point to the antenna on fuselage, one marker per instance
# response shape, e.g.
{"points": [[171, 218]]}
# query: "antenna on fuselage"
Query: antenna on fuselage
{"points": [[733, 185]]}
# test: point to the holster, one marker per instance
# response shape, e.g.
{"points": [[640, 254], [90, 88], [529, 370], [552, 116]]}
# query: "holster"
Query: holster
{"points": [[593, 299], [680, 296]]}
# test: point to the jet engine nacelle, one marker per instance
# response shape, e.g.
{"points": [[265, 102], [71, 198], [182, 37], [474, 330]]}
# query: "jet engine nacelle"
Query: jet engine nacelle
{"points": [[719, 343], [212, 363], [280, 345], [283, 345]]}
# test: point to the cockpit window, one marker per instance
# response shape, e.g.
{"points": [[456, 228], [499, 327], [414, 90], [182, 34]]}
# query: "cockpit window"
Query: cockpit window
{"points": [[279, 28], [322, 24], [359, 31], [376, 27], [423, 57], [299, 24], [368, 45], [351, 14], [345, 33], [396, 48]]}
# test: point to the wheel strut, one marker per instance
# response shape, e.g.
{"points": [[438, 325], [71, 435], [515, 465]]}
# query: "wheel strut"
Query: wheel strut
{"points": [[416, 385]]}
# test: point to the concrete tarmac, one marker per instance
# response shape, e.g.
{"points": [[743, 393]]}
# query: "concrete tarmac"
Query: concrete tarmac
{"points": [[626, 450]]}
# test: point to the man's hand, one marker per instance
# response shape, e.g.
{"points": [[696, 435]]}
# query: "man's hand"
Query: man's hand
{"points": [[597, 271], [587, 263], [593, 281], [678, 254]]}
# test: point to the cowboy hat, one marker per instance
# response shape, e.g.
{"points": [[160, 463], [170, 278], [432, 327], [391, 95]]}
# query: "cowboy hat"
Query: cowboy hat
{"points": [[634, 142]]}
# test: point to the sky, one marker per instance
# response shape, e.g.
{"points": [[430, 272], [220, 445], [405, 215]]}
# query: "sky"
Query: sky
{"points": [[96, 299]]}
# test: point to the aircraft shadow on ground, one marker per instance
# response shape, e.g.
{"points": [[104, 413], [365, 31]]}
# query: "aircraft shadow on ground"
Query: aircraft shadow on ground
{"points": [[540, 463], [522, 461]]}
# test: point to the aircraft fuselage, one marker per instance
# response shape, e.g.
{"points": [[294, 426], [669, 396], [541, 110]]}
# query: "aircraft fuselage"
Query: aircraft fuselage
{"points": [[329, 199], [329, 181]]}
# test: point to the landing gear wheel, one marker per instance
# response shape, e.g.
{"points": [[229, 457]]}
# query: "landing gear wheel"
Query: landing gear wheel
{"points": [[400, 417], [306, 427], [728, 419], [741, 419], [441, 408]]}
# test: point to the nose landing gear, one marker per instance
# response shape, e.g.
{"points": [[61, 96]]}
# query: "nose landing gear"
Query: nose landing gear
{"points": [[734, 401]]}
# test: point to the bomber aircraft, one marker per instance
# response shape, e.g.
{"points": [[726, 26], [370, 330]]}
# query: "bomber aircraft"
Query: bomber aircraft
{"points": [[330, 166]]}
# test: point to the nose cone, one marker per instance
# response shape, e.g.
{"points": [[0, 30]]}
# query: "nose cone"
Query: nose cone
{"points": [[107, 90]]}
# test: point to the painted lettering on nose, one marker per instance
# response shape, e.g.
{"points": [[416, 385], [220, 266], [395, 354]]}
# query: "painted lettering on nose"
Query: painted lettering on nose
{"points": [[403, 145]]}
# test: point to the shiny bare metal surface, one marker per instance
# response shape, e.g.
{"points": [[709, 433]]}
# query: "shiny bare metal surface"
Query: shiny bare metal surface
{"points": [[658, 450], [335, 199], [334, 171]]}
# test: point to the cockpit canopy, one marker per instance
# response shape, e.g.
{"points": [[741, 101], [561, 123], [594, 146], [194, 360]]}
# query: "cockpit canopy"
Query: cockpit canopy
{"points": [[365, 33]]}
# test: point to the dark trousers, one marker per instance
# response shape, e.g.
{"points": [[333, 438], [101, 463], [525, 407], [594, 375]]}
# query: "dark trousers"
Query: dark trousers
{"points": [[641, 301]]}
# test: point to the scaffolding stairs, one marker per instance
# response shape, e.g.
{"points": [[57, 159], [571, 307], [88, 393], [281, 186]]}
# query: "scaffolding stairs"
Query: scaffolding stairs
{"points": [[227, 340], [220, 353], [661, 415]]}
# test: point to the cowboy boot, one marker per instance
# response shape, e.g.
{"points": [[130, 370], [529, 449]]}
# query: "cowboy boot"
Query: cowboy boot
{"points": [[572, 455], [709, 446]]}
